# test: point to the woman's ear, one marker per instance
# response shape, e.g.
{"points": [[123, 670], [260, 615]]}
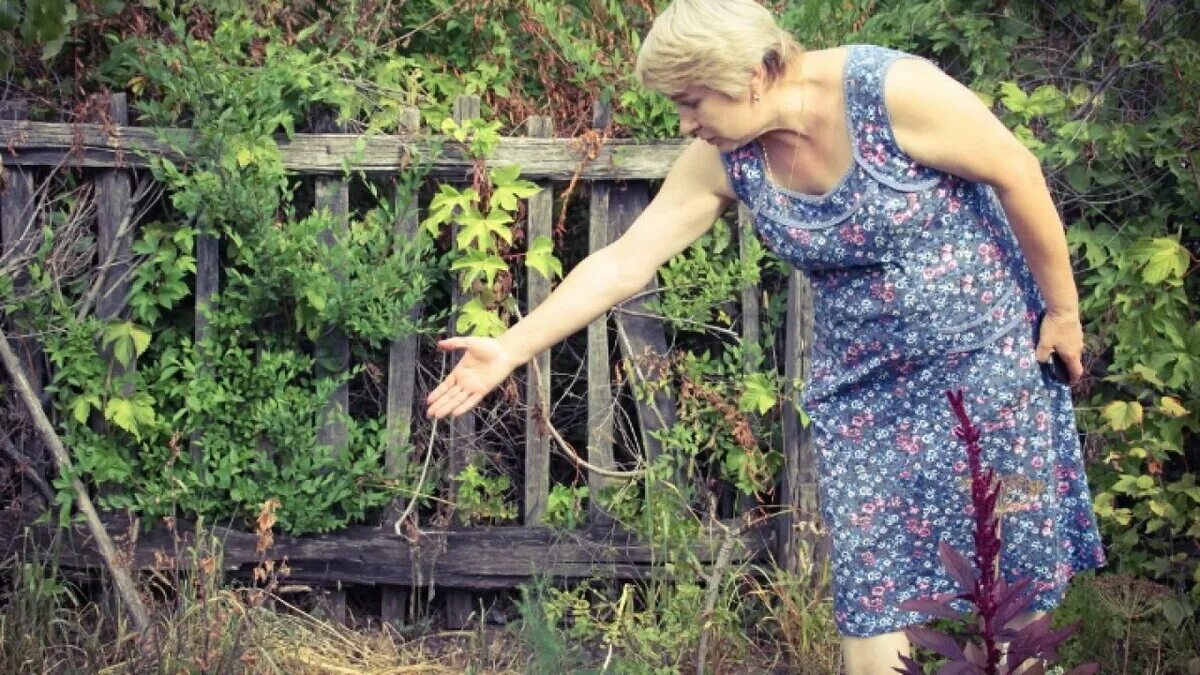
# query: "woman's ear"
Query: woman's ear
{"points": [[758, 82]]}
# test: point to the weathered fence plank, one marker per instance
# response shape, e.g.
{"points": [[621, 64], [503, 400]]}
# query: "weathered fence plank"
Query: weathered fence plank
{"points": [[208, 281], [462, 428], [479, 558], [599, 387], [402, 371], [642, 338], [114, 251], [114, 189], [537, 373], [332, 348], [19, 237], [751, 325], [46, 144], [402, 355], [798, 484]]}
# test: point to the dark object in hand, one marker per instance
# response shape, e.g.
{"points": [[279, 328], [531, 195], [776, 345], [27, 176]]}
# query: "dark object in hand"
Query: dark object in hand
{"points": [[1055, 368]]}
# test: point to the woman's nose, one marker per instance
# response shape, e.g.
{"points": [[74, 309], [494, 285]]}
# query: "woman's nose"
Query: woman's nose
{"points": [[687, 125]]}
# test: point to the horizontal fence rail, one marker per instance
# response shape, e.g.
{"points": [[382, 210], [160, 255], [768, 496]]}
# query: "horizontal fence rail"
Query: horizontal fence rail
{"points": [[92, 145]]}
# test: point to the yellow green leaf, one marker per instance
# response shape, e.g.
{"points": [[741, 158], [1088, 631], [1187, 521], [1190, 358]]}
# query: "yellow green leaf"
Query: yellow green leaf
{"points": [[1171, 407], [141, 338], [1163, 259], [1122, 415], [541, 258]]}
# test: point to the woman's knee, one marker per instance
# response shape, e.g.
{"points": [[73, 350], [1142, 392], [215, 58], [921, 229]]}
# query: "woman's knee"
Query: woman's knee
{"points": [[876, 654]]}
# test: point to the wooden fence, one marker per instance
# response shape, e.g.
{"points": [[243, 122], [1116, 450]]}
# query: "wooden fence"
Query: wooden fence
{"points": [[461, 559]]}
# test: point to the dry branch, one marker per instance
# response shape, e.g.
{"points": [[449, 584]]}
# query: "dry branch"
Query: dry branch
{"points": [[125, 587]]}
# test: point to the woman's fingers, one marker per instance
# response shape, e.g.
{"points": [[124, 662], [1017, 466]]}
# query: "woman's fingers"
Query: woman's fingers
{"points": [[471, 401], [447, 402], [1043, 351], [1074, 364], [439, 391], [452, 344], [468, 382]]}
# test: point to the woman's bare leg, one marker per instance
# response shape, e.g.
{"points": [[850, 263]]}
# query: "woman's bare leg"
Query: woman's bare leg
{"points": [[874, 655], [1018, 622]]}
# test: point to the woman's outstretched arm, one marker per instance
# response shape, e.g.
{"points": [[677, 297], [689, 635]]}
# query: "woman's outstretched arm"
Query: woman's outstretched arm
{"points": [[693, 195]]}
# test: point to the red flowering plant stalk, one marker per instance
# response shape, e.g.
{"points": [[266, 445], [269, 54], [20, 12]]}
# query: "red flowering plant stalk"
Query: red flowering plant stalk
{"points": [[997, 649]]}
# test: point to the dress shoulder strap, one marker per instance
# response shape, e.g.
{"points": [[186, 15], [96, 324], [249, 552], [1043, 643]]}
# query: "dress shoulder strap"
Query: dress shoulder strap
{"points": [[874, 141], [744, 171]]}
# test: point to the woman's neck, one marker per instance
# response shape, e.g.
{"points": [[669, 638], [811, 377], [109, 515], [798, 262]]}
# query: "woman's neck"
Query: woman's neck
{"points": [[795, 113]]}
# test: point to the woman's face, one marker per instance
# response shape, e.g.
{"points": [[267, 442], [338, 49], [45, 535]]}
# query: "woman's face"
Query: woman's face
{"points": [[716, 118]]}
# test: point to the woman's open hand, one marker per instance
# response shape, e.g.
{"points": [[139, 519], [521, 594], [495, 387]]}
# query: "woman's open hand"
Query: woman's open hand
{"points": [[1062, 333], [484, 365]]}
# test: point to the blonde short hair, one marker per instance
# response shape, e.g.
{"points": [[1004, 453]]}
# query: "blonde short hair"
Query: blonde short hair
{"points": [[713, 43]]}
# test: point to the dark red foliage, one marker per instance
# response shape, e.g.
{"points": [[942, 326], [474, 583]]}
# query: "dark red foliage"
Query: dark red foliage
{"points": [[995, 602]]}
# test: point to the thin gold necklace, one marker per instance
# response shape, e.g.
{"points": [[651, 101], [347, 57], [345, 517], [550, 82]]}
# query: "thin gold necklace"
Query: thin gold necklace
{"points": [[767, 155]]}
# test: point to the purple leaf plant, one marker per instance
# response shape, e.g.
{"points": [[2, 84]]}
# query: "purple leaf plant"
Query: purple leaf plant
{"points": [[996, 602]]}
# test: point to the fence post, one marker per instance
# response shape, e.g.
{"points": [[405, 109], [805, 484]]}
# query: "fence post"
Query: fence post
{"points": [[114, 211], [798, 485], [537, 379], [402, 370], [642, 337], [332, 347], [599, 388], [208, 281], [751, 326], [19, 237], [462, 428]]}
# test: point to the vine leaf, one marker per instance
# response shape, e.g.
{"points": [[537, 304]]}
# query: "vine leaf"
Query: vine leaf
{"points": [[478, 264], [541, 258], [509, 188], [131, 413], [445, 203], [1123, 415], [483, 230], [476, 319], [1163, 259]]}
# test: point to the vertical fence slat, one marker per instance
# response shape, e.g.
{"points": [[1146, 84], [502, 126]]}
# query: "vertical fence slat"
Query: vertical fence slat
{"points": [[332, 195], [208, 280], [462, 429], [537, 443], [642, 337], [332, 348], [114, 189], [402, 356], [114, 211], [797, 490], [402, 370], [751, 326], [599, 399], [19, 234]]}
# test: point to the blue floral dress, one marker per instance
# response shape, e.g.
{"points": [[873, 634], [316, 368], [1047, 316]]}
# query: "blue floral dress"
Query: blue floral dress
{"points": [[919, 287]]}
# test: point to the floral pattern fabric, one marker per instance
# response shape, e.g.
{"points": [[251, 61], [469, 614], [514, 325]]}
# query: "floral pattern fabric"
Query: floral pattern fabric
{"points": [[919, 286]]}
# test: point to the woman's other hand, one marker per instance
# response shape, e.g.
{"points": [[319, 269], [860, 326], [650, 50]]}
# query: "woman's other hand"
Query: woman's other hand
{"points": [[1062, 333], [484, 365]]}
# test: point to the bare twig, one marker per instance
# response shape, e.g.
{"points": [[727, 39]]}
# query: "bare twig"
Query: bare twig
{"points": [[732, 535], [24, 466]]}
